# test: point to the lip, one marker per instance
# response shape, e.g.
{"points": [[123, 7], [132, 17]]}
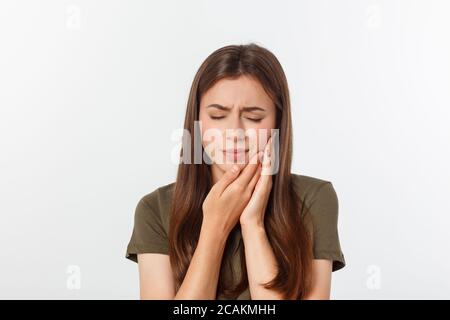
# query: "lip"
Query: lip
{"points": [[236, 151]]}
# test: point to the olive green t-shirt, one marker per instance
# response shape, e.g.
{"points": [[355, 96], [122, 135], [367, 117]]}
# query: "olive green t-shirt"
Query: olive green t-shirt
{"points": [[151, 224]]}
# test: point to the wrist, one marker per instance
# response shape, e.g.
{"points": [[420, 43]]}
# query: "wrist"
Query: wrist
{"points": [[215, 232], [253, 225]]}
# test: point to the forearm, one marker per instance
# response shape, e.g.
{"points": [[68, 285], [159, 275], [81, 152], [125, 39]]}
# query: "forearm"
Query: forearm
{"points": [[260, 261], [197, 283]]}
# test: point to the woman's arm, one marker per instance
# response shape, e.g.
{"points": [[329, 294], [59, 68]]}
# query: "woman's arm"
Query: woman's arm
{"points": [[156, 279], [260, 261], [197, 283], [262, 267], [321, 280], [221, 210]]}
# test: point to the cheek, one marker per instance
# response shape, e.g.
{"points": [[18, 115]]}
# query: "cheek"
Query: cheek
{"points": [[260, 135], [206, 125], [211, 137]]}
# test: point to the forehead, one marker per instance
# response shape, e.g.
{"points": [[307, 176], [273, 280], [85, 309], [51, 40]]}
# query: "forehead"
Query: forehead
{"points": [[242, 91]]}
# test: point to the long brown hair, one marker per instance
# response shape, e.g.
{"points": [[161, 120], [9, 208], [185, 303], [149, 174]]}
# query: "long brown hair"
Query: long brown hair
{"points": [[288, 234]]}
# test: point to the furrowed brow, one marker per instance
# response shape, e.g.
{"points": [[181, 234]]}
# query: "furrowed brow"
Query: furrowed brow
{"points": [[246, 109], [253, 108], [218, 106]]}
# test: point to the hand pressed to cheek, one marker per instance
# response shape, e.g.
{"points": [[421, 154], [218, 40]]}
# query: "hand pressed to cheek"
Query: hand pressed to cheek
{"points": [[267, 160], [254, 212]]}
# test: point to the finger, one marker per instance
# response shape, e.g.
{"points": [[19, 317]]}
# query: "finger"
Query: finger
{"points": [[267, 161], [227, 178], [269, 146], [249, 170], [255, 178]]}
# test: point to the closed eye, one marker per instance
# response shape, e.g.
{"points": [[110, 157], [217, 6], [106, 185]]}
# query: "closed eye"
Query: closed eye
{"points": [[251, 119], [255, 120]]}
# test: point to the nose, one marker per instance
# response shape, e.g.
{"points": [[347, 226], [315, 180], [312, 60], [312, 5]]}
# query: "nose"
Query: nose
{"points": [[235, 135], [235, 132]]}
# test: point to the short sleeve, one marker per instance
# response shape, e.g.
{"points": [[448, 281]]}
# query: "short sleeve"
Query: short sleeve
{"points": [[149, 235], [324, 210]]}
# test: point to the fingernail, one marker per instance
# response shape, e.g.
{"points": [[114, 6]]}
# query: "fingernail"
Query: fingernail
{"points": [[235, 169]]}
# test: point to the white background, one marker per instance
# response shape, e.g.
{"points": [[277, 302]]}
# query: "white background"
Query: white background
{"points": [[91, 91]]}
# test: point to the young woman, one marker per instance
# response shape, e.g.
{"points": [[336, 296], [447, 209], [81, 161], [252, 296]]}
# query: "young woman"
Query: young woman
{"points": [[228, 229]]}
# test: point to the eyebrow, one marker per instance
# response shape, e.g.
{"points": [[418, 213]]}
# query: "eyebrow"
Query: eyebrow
{"points": [[246, 108]]}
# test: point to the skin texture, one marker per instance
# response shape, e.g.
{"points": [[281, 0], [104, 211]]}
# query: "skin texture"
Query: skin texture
{"points": [[238, 196]]}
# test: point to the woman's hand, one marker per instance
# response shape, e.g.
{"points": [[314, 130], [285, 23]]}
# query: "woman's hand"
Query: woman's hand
{"points": [[228, 197], [253, 213]]}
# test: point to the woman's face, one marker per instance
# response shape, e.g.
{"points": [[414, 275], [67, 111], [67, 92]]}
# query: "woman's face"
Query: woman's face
{"points": [[235, 115]]}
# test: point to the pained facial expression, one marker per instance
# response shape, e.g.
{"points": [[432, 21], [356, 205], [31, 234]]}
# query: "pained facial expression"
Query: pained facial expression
{"points": [[235, 114]]}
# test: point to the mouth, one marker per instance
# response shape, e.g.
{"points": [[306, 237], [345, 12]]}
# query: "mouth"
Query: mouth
{"points": [[235, 151]]}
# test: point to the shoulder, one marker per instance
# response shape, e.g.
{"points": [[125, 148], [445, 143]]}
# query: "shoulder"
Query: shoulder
{"points": [[312, 189], [151, 223], [155, 205], [319, 201], [320, 209], [159, 196]]}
